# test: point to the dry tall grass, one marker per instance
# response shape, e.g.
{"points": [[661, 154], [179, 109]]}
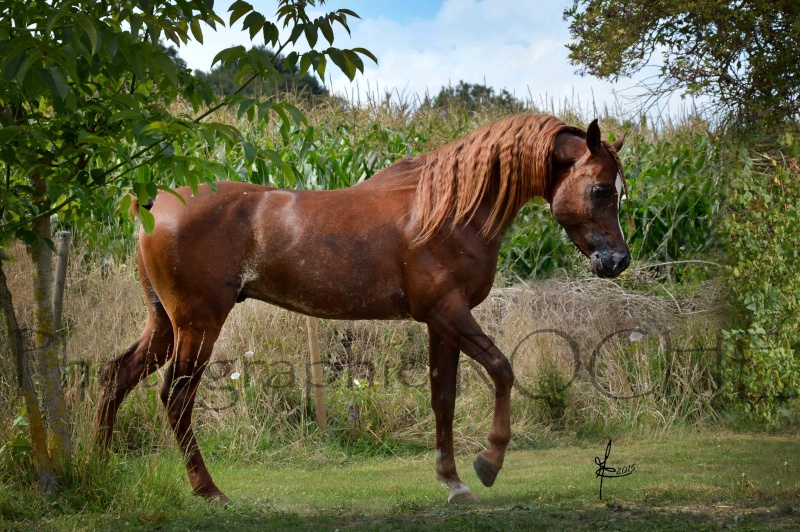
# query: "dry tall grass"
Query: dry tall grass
{"points": [[269, 405], [635, 344]]}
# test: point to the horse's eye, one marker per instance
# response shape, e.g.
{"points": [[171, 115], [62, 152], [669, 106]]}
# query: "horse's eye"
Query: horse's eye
{"points": [[601, 191]]}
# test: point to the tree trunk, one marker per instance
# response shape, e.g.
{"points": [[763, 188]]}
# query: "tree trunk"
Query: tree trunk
{"points": [[47, 361], [43, 468], [62, 261]]}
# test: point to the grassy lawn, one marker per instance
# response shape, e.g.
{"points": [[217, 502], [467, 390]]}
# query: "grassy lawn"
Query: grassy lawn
{"points": [[706, 482]]}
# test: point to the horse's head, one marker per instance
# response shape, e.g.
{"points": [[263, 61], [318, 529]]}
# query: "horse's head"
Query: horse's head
{"points": [[585, 198]]}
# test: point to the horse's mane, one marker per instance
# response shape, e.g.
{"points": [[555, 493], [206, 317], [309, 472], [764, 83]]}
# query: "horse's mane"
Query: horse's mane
{"points": [[512, 157]]}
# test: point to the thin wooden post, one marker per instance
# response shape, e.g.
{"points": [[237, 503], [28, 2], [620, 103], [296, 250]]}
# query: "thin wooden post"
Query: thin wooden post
{"points": [[60, 281], [316, 373]]}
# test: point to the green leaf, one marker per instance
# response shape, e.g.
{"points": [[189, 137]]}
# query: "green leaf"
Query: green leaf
{"points": [[250, 152], [98, 176], [197, 31], [326, 29], [311, 34], [288, 173], [158, 125], [216, 168], [349, 12], [364, 51], [167, 67], [341, 61], [299, 117], [54, 77], [88, 28], [263, 109], [296, 32], [7, 133], [26, 64], [271, 33], [147, 219], [245, 106], [238, 10], [124, 203], [253, 22], [126, 114], [305, 62], [229, 55], [353, 59]]}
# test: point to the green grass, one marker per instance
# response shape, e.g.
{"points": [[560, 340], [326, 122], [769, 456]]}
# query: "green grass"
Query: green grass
{"points": [[708, 481]]}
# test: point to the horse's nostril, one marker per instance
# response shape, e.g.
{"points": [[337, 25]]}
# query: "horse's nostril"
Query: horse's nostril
{"points": [[621, 262]]}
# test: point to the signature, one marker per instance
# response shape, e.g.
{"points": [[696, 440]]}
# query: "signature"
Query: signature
{"points": [[603, 471]]}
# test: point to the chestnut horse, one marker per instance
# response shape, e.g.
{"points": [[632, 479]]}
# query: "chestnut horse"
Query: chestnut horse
{"points": [[418, 240]]}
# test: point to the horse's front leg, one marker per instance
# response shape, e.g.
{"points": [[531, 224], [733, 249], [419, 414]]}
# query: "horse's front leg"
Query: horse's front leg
{"points": [[453, 320], [443, 370]]}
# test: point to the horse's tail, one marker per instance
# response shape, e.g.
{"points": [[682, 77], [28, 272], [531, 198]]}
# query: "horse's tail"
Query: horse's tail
{"points": [[135, 206]]}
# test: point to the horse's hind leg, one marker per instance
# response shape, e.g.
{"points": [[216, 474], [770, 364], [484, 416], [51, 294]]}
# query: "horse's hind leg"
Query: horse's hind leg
{"points": [[120, 375], [195, 343], [453, 320], [444, 368]]}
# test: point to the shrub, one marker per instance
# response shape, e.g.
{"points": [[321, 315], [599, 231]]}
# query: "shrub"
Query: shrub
{"points": [[760, 371]]}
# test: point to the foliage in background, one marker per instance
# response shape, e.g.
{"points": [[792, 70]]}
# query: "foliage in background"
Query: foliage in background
{"points": [[675, 195], [474, 97], [761, 369], [674, 184], [223, 80], [742, 54], [86, 99]]}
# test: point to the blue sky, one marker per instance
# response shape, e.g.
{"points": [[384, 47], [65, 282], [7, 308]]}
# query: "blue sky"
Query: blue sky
{"points": [[422, 45], [402, 11]]}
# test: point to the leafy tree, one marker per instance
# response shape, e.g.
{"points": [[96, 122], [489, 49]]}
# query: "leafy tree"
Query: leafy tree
{"points": [[86, 94], [742, 53], [475, 97], [173, 54], [222, 80]]}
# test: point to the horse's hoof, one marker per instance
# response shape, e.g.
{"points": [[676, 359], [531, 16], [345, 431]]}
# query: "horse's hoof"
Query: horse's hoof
{"points": [[466, 496], [485, 471], [215, 498], [219, 501]]}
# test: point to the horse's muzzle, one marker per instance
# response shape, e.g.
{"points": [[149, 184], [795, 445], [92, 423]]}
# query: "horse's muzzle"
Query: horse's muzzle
{"points": [[609, 263]]}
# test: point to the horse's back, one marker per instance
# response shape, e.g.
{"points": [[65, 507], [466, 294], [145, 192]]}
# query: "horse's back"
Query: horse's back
{"points": [[313, 252]]}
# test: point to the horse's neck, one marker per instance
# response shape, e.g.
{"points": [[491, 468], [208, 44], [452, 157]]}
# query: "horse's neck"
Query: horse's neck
{"points": [[499, 227]]}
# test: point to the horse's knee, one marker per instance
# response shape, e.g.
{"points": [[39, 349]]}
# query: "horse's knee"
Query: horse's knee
{"points": [[502, 373]]}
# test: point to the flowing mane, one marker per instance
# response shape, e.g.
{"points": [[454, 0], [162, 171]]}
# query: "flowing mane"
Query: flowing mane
{"points": [[511, 157]]}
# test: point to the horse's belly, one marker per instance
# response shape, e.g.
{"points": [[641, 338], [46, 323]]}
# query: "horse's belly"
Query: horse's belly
{"points": [[334, 300]]}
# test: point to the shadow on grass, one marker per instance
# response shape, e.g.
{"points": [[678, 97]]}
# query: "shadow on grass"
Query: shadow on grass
{"points": [[505, 514]]}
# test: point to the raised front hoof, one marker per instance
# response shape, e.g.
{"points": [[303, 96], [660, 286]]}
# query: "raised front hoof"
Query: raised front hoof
{"points": [[465, 497], [486, 472]]}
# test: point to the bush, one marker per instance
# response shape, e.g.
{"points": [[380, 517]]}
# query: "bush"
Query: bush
{"points": [[760, 371], [673, 183]]}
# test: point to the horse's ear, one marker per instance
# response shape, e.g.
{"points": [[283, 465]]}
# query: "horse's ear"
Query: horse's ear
{"points": [[593, 137], [568, 149], [619, 142]]}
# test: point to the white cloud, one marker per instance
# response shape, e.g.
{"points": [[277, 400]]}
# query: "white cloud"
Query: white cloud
{"points": [[518, 45]]}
